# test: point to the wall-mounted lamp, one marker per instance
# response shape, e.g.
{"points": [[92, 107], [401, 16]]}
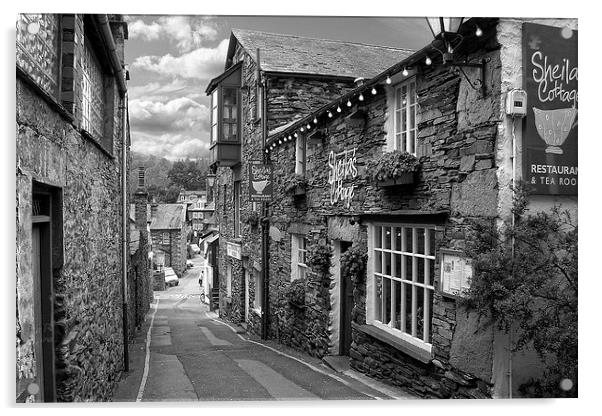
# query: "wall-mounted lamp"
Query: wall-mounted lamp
{"points": [[211, 180], [446, 29]]}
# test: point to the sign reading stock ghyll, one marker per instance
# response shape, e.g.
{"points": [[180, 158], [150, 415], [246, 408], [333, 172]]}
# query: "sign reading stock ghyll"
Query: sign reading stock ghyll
{"points": [[260, 181], [550, 127]]}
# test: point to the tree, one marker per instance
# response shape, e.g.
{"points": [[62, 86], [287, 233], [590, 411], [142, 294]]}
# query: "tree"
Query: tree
{"points": [[188, 174], [532, 289]]}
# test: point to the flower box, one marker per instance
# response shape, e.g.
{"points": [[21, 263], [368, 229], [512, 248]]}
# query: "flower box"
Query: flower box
{"points": [[405, 178]]}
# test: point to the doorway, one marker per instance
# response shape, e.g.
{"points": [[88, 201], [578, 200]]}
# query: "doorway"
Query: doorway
{"points": [[346, 296], [246, 294]]}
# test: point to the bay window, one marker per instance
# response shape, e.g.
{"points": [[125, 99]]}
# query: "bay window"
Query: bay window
{"points": [[400, 283]]}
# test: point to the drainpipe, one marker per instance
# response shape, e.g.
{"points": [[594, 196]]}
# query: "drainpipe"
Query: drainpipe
{"points": [[119, 75], [265, 270]]}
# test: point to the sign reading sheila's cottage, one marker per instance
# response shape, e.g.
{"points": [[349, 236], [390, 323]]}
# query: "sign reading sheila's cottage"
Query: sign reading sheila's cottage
{"points": [[260, 181], [550, 127], [341, 167]]}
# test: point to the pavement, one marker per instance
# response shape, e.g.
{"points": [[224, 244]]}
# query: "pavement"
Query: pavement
{"points": [[186, 353]]}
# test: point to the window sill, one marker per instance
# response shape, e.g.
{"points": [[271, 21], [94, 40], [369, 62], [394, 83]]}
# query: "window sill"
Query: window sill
{"points": [[414, 351]]}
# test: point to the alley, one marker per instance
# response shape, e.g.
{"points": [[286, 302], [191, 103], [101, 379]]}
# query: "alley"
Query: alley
{"points": [[193, 355]]}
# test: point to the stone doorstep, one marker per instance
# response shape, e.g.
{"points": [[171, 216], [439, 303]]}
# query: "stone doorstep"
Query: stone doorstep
{"points": [[339, 363]]}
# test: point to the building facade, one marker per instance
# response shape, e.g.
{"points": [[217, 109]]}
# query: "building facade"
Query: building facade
{"points": [[71, 206], [168, 236], [401, 320], [264, 87]]}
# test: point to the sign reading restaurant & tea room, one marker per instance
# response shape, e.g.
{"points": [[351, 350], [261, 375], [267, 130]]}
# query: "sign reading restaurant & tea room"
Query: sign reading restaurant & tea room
{"points": [[260, 181], [550, 127]]}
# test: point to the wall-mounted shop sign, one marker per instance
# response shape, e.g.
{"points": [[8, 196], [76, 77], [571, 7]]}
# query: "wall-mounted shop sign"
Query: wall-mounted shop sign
{"points": [[342, 167], [233, 250], [550, 127], [456, 273], [260, 181]]}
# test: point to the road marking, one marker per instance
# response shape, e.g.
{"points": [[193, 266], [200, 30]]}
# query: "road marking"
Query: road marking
{"points": [[279, 387], [212, 338], [147, 358], [314, 368]]}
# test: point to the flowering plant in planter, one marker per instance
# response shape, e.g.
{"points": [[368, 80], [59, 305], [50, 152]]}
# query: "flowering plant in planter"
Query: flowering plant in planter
{"points": [[353, 264], [319, 258], [393, 168], [251, 218], [296, 185]]}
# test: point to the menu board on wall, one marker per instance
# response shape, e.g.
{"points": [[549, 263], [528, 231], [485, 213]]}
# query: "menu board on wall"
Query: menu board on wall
{"points": [[550, 127], [260, 181], [456, 273]]}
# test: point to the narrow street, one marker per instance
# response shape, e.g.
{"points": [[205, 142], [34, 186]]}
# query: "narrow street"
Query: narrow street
{"points": [[196, 356]]}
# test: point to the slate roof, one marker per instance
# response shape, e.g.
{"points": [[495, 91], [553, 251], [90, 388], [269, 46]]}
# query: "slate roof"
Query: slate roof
{"points": [[302, 55], [169, 217]]}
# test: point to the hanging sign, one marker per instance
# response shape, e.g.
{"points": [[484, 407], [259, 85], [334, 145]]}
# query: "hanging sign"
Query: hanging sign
{"points": [[260, 181], [456, 273], [233, 250], [550, 127]]}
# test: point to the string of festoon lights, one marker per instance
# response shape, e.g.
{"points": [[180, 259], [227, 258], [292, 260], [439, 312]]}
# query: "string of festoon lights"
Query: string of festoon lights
{"points": [[329, 113]]}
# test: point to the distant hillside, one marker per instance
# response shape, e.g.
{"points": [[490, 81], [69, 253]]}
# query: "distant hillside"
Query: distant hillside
{"points": [[156, 170]]}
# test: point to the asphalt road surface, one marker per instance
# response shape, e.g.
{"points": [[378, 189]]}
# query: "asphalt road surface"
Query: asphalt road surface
{"points": [[193, 355]]}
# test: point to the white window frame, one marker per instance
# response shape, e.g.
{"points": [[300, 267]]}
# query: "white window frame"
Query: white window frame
{"points": [[380, 251], [228, 279], [258, 296], [300, 155], [165, 237], [298, 251], [404, 110]]}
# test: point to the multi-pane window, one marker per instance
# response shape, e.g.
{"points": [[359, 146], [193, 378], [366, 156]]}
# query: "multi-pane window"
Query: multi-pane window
{"points": [[37, 49], [298, 256], [405, 116], [214, 119], [258, 300], [93, 101], [230, 114], [164, 238], [403, 260]]}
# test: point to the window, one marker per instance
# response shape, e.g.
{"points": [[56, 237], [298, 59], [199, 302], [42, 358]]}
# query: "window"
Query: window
{"points": [[228, 279], [258, 101], [405, 116], [214, 116], [258, 299], [38, 49], [298, 256], [400, 280], [300, 155], [237, 225], [164, 238], [93, 97], [230, 114]]}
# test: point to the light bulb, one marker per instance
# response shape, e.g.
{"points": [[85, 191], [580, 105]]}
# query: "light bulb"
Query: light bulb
{"points": [[267, 151], [339, 109], [388, 80], [373, 91], [348, 103], [290, 137], [279, 141], [308, 126], [450, 49], [478, 32], [315, 120], [302, 130], [296, 135], [405, 72], [361, 97], [428, 61], [329, 114]]}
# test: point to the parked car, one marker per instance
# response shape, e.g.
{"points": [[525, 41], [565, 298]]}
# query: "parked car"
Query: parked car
{"points": [[189, 264], [171, 278], [195, 249]]}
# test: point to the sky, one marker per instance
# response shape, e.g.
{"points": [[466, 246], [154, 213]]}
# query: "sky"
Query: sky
{"points": [[171, 60]]}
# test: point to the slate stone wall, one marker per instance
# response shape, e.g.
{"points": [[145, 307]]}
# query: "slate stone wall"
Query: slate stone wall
{"points": [[87, 269], [456, 142], [175, 251]]}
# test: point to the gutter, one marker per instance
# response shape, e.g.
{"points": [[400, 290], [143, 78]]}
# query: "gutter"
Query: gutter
{"points": [[116, 64]]}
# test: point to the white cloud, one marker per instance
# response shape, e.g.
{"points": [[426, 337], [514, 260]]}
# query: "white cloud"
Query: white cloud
{"points": [[180, 114], [170, 146], [157, 91], [201, 63], [187, 32]]}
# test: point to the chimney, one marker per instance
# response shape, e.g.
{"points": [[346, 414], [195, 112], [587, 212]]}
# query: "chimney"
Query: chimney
{"points": [[154, 207], [140, 201]]}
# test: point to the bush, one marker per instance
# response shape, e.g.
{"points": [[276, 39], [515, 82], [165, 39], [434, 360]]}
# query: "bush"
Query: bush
{"points": [[353, 264], [295, 292], [296, 181], [319, 258], [532, 287]]}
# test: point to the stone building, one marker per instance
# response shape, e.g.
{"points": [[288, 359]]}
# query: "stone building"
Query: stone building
{"points": [[168, 235], [401, 322], [71, 206], [269, 81], [449, 127]]}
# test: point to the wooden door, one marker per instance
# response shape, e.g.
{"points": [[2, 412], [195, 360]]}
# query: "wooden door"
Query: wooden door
{"points": [[346, 307]]}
